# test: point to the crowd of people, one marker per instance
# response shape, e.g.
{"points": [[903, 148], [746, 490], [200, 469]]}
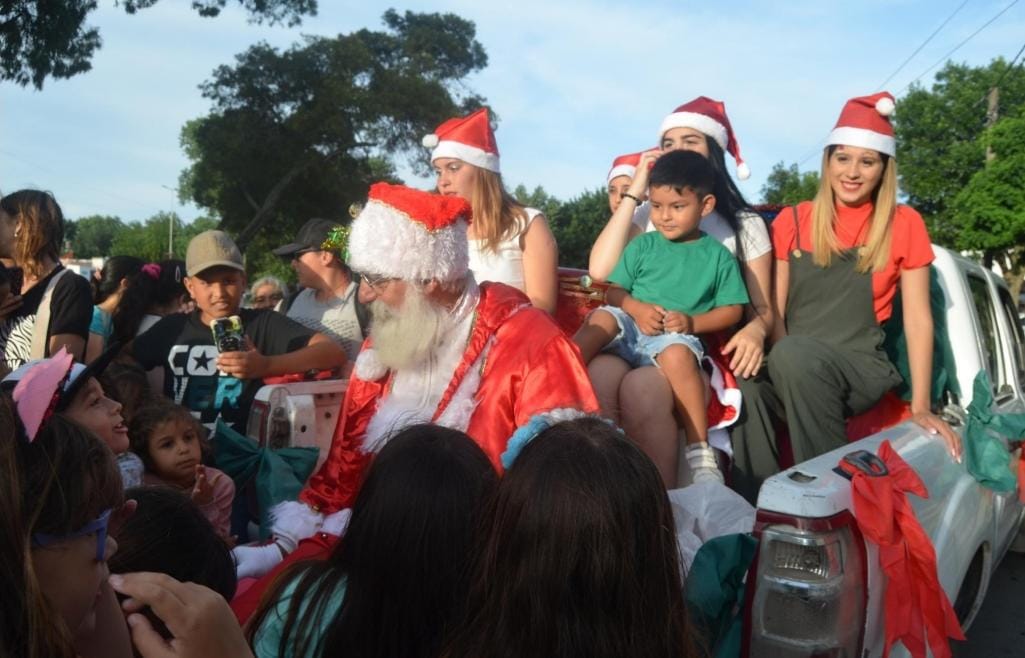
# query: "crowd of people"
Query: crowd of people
{"points": [[495, 485]]}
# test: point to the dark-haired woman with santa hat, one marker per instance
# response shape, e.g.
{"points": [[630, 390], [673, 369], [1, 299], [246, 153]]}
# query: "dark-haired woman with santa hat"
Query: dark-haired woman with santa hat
{"points": [[620, 176], [640, 399], [509, 242], [840, 260]]}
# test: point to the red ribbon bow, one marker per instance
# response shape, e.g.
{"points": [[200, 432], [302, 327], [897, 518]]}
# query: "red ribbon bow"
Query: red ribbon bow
{"points": [[916, 607]]}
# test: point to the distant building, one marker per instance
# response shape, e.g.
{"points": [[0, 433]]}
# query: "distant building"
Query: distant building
{"points": [[84, 266]]}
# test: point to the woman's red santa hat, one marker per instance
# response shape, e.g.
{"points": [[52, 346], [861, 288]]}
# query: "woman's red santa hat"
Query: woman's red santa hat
{"points": [[469, 139], [411, 235], [624, 165], [865, 123], [708, 116]]}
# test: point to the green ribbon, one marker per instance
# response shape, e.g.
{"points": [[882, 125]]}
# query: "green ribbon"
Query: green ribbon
{"points": [[986, 454], [714, 591], [279, 474]]}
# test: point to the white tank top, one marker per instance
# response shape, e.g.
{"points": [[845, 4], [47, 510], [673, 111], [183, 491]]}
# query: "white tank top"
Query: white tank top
{"points": [[505, 264]]}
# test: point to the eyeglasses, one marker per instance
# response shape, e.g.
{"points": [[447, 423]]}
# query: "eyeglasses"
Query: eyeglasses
{"points": [[376, 281], [99, 526]]}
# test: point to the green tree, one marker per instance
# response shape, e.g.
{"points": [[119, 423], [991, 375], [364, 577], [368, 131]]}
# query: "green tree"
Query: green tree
{"points": [[787, 186], [990, 209], [148, 239], [939, 138], [576, 223], [301, 133], [40, 40], [94, 235], [539, 199]]}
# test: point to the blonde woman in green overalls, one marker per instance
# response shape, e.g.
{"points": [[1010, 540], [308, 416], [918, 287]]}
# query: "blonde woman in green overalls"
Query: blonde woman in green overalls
{"points": [[839, 261]]}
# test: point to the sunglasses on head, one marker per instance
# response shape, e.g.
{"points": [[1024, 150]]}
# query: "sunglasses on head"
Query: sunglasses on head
{"points": [[98, 526]]}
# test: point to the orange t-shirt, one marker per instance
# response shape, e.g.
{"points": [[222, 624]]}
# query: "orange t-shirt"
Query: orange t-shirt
{"points": [[909, 247]]}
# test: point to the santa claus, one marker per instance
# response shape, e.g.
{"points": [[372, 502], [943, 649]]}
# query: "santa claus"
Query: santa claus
{"points": [[442, 348]]}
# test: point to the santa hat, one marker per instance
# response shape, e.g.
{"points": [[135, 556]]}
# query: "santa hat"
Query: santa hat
{"points": [[709, 117], [865, 122], [409, 234], [469, 139], [624, 165]]}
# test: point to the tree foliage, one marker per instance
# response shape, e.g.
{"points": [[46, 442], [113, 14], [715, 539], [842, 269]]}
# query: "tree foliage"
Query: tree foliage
{"points": [[40, 40], [301, 133], [990, 209], [94, 235], [787, 185], [576, 223], [940, 143], [148, 239]]}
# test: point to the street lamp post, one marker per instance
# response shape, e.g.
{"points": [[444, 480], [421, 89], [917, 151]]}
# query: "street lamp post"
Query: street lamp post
{"points": [[170, 223]]}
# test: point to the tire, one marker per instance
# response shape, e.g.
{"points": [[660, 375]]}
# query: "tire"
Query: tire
{"points": [[971, 586]]}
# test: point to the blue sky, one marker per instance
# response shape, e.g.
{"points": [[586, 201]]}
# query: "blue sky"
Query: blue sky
{"points": [[575, 83]]}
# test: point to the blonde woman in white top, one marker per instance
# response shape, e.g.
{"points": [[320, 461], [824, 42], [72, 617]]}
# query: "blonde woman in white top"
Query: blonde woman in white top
{"points": [[509, 243]]}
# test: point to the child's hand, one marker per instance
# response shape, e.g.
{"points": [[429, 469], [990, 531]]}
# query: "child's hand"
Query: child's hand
{"points": [[649, 317], [249, 364], [203, 491], [679, 323]]}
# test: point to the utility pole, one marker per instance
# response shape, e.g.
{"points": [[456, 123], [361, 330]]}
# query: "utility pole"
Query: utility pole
{"points": [[170, 223], [992, 114]]}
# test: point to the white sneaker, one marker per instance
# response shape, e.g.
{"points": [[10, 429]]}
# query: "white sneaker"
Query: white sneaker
{"points": [[703, 465]]}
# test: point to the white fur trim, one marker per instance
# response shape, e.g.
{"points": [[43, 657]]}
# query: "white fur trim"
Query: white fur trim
{"points": [[863, 138], [430, 141], [478, 157], [464, 401], [743, 171], [337, 523], [705, 124], [885, 106], [368, 366], [728, 397], [293, 521], [388, 242], [392, 416], [621, 170]]}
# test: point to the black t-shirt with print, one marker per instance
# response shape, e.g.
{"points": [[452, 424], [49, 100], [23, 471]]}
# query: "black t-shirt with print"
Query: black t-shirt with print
{"points": [[184, 346], [71, 310]]}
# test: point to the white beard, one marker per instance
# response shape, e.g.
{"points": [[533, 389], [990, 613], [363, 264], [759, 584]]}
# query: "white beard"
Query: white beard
{"points": [[406, 337]]}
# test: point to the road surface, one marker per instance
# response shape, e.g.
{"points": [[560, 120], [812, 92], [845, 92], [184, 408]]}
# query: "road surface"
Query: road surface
{"points": [[999, 629]]}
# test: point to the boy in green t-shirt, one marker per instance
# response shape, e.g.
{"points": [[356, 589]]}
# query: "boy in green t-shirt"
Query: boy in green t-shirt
{"points": [[669, 285]]}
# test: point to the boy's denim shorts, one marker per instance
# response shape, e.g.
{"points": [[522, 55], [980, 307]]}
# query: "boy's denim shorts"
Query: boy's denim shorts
{"points": [[639, 349]]}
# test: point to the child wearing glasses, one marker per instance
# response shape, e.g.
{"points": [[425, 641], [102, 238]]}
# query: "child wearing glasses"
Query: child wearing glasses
{"points": [[61, 493]]}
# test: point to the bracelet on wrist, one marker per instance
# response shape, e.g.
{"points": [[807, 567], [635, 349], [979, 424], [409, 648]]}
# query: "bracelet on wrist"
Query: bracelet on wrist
{"points": [[627, 195]]}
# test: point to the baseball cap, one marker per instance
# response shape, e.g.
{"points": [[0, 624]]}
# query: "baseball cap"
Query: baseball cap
{"points": [[311, 236], [212, 249]]}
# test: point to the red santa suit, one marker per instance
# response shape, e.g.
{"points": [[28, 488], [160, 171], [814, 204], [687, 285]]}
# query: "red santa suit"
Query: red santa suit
{"points": [[517, 363]]}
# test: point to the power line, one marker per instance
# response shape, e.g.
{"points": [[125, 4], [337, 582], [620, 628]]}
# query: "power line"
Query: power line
{"points": [[922, 45], [958, 46], [971, 36]]}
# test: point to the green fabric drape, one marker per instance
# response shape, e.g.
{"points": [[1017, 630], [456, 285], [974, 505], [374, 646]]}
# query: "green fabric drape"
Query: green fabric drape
{"points": [[277, 475], [986, 454], [715, 591], [944, 375]]}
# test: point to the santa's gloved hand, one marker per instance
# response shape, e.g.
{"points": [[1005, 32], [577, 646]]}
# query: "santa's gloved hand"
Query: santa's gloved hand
{"points": [[255, 561]]}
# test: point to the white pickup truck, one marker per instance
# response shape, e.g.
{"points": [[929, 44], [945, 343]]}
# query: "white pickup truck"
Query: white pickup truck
{"points": [[816, 588], [805, 518]]}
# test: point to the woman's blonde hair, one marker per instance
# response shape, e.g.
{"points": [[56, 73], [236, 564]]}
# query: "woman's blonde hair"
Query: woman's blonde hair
{"points": [[496, 214], [875, 254]]}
